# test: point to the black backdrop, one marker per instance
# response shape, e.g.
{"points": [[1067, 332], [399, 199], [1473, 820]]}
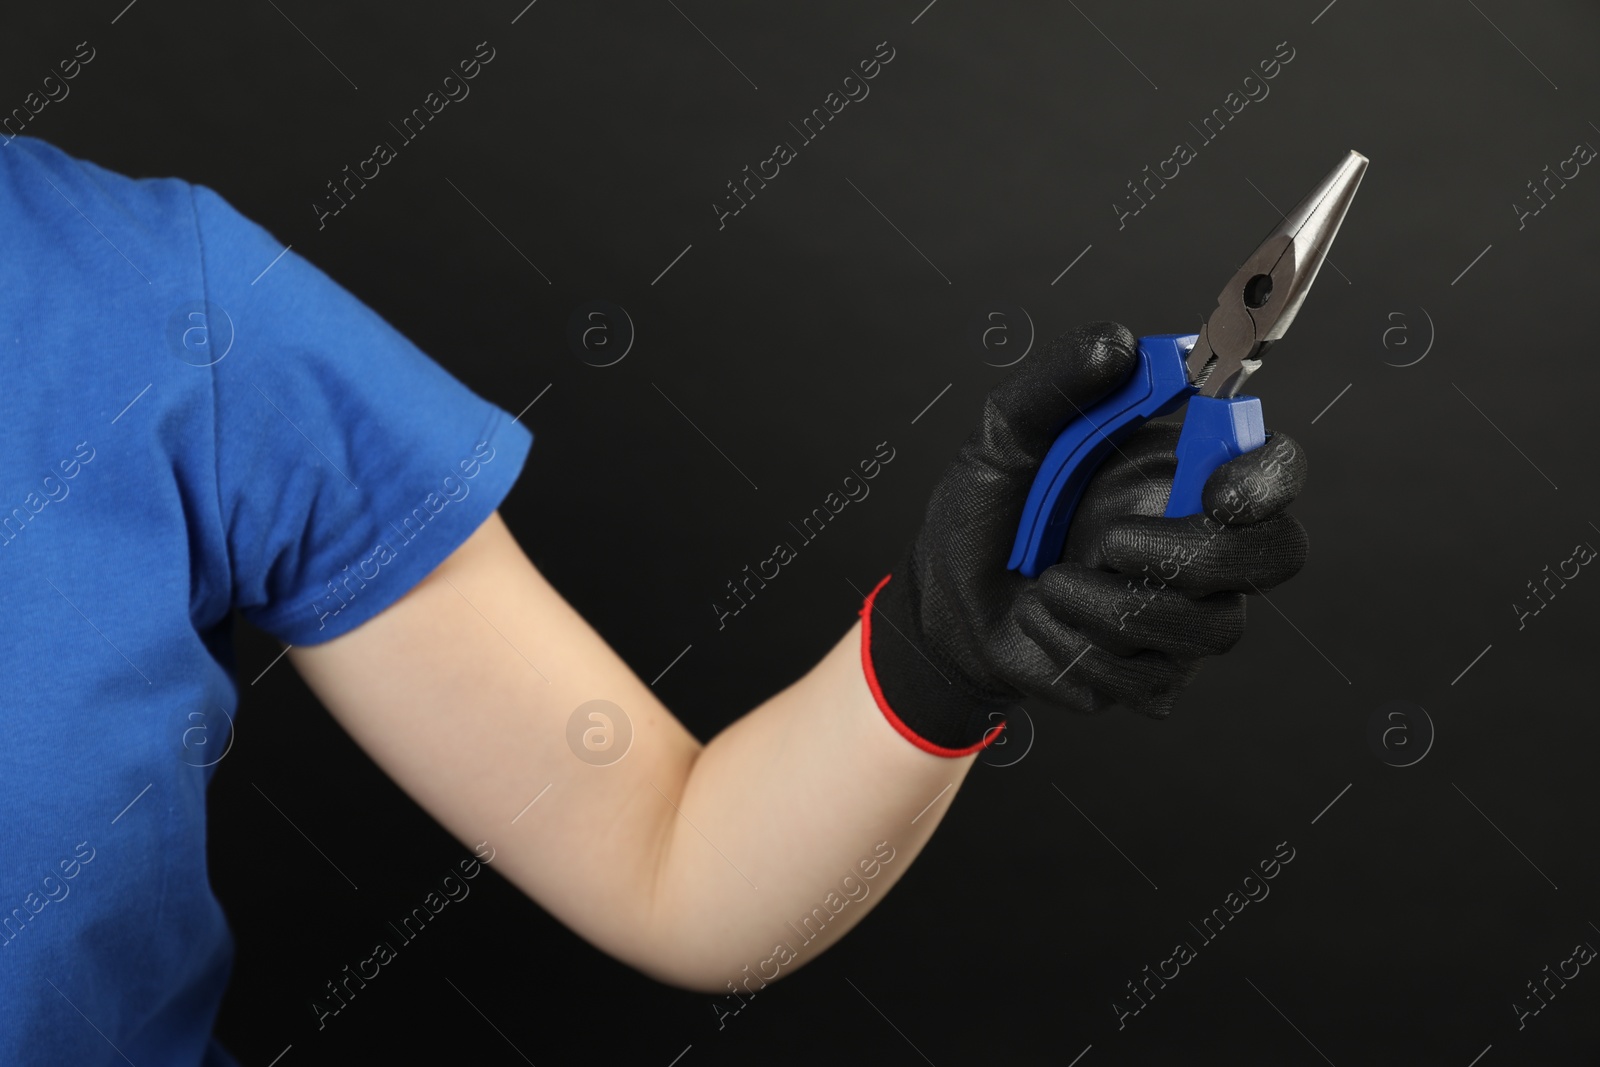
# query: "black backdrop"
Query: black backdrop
{"points": [[824, 318]]}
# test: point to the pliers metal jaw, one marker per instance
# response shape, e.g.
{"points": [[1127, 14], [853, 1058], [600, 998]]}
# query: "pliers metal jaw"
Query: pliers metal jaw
{"points": [[1263, 297], [1206, 370]]}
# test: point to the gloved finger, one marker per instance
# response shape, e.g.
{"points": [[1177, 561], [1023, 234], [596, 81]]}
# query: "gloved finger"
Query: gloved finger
{"points": [[1257, 484], [1051, 665], [1158, 701], [1126, 615], [1197, 556], [1071, 670]]}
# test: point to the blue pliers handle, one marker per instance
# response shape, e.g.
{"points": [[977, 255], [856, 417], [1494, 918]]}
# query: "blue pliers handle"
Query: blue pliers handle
{"points": [[1215, 430]]}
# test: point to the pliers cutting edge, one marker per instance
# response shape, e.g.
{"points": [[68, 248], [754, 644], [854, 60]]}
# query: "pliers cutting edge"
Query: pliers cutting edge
{"points": [[1206, 369]]}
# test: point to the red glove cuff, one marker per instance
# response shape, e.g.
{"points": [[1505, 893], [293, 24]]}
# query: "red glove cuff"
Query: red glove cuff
{"points": [[874, 683]]}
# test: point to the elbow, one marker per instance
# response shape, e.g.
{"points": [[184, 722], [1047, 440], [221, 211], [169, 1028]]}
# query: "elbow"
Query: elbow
{"points": [[699, 966], [745, 978], [695, 983]]}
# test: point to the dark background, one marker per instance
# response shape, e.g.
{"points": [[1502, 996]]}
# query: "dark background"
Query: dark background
{"points": [[807, 331]]}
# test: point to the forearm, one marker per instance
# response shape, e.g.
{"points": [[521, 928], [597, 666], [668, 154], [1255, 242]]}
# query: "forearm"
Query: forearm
{"points": [[644, 852], [792, 824]]}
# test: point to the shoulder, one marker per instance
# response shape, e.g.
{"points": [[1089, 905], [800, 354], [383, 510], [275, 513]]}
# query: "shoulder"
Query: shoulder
{"points": [[35, 171]]}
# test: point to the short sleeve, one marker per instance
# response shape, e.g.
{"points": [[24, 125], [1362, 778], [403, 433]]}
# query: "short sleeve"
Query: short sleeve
{"points": [[349, 464]]}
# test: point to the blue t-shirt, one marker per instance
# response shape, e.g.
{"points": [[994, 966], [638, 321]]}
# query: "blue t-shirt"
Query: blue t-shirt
{"points": [[194, 421]]}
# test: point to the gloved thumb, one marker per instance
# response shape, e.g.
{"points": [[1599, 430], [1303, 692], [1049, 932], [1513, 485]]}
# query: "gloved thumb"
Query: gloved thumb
{"points": [[1023, 415], [985, 490]]}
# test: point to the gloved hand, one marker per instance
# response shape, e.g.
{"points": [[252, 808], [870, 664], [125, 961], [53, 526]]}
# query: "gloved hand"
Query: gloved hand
{"points": [[951, 638]]}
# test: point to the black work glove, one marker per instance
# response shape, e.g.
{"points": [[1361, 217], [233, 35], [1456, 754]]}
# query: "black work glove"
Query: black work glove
{"points": [[952, 638]]}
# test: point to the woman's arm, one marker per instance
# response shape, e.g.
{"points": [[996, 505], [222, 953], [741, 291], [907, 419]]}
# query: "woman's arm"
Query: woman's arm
{"points": [[737, 861]]}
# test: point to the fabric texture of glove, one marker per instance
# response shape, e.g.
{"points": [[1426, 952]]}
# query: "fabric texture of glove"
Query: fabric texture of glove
{"points": [[951, 638]]}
